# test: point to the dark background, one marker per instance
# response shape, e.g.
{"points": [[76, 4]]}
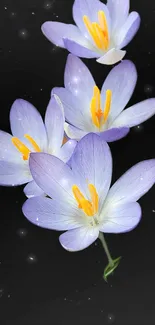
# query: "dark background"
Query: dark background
{"points": [[40, 283]]}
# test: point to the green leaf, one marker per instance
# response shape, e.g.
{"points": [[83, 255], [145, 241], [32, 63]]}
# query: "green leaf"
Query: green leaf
{"points": [[111, 267]]}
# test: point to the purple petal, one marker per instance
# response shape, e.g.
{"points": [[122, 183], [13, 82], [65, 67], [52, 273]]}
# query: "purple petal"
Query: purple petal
{"points": [[53, 176], [8, 152], [78, 239], [118, 11], [121, 81], [136, 114], [12, 174], [73, 107], [92, 164], [54, 121], [111, 57], [78, 79], [50, 214], [128, 30], [25, 119], [83, 50], [120, 218], [32, 190], [73, 132], [114, 134], [67, 150], [88, 8], [55, 32], [134, 183]]}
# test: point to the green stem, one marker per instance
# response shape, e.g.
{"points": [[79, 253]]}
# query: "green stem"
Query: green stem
{"points": [[104, 244]]}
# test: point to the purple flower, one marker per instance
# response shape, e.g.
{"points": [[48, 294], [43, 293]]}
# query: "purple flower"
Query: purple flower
{"points": [[30, 134], [82, 203], [89, 110], [101, 30]]}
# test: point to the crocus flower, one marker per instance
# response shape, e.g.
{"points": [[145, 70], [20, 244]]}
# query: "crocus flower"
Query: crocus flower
{"points": [[87, 109], [101, 30], [82, 203], [30, 134]]}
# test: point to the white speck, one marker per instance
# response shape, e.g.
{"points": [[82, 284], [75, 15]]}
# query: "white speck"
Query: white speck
{"points": [[33, 13], [37, 219], [111, 318], [22, 232], [9, 296], [41, 89], [13, 14], [31, 259], [48, 4], [89, 298], [141, 178], [23, 33], [5, 8], [65, 299], [153, 211]]}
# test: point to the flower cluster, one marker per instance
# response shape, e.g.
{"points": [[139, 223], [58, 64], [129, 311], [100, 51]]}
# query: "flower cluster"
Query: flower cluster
{"points": [[68, 184]]}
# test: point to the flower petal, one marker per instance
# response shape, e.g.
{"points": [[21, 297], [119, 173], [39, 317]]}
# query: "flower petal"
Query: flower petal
{"points": [[136, 114], [81, 48], [91, 163], [67, 150], [121, 81], [25, 119], [53, 176], [90, 9], [120, 218], [73, 132], [114, 134], [78, 239], [8, 152], [73, 107], [128, 30], [54, 121], [32, 190], [12, 174], [133, 184], [112, 56], [118, 11], [50, 214], [78, 79], [55, 32]]}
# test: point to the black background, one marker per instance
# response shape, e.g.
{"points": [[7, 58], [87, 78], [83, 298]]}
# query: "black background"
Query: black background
{"points": [[40, 283]]}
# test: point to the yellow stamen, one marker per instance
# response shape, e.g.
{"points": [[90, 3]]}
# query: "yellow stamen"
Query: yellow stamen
{"points": [[98, 31], [94, 197], [98, 116], [107, 104], [34, 144], [22, 148], [104, 27], [89, 207], [92, 31]]}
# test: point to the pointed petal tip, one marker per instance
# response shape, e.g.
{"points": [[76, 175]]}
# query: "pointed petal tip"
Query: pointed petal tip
{"points": [[111, 57]]}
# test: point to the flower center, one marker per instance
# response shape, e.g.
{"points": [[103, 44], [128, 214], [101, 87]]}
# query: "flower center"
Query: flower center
{"points": [[90, 208], [98, 116], [98, 31], [22, 148]]}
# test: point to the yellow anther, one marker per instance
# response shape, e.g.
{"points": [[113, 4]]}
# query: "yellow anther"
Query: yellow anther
{"points": [[104, 27], [90, 208], [107, 104], [22, 148], [98, 31], [94, 197], [98, 116], [34, 144]]}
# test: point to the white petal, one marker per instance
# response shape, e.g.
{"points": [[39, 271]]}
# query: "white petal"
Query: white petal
{"points": [[112, 56], [119, 218]]}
